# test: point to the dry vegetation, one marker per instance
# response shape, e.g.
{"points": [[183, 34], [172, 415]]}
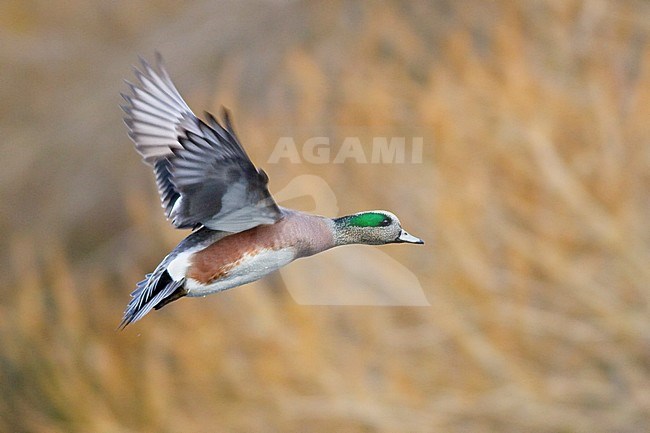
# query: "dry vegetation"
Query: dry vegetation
{"points": [[532, 196]]}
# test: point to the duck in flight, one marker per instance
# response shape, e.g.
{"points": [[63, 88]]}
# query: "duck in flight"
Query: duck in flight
{"points": [[208, 183]]}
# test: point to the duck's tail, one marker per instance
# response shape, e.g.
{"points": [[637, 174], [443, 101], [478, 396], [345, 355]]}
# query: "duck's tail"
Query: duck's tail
{"points": [[154, 292]]}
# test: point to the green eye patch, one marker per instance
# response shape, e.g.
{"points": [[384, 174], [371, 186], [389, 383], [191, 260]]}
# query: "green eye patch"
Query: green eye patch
{"points": [[369, 219]]}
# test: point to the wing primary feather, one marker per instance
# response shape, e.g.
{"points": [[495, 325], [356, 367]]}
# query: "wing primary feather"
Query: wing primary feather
{"points": [[149, 96], [148, 80]]}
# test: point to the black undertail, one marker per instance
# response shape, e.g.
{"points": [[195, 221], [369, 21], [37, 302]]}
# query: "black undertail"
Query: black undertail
{"points": [[178, 294]]}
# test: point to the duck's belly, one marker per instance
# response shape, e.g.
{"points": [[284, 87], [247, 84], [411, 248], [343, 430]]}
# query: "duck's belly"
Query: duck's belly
{"points": [[248, 268]]}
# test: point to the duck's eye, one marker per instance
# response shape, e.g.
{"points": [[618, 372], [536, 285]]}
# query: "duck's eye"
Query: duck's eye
{"points": [[386, 222]]}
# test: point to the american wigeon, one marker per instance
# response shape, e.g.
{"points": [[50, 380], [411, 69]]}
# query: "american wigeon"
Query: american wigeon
{"points": [[208, 183]]}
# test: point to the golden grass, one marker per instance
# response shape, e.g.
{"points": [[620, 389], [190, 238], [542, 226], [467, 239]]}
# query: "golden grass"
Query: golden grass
{"points": [[532, 197]]}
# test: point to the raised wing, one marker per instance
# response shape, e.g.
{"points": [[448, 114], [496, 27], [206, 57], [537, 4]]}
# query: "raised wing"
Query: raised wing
{"points": [[203, 173]]}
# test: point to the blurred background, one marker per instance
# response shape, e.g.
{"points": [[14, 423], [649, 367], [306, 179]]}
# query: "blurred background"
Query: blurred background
{"points": [[532, 197]]}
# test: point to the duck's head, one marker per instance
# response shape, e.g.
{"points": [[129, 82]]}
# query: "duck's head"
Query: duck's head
{"points": [[376, 227]]}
